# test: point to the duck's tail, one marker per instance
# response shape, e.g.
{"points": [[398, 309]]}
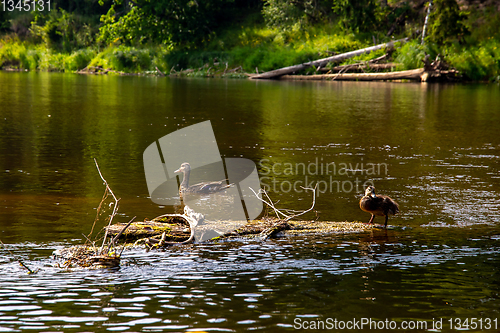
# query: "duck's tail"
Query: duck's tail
{"points": [[395, 208]]}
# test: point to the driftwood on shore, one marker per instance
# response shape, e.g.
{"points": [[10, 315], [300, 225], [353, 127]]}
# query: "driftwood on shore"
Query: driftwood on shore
{"points": [[402, 75], [436, 70], [414, 74], [322, 62], [432, 71]]}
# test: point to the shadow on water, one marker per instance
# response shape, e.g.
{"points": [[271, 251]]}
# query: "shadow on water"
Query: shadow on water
{"points": [[433, 148]]}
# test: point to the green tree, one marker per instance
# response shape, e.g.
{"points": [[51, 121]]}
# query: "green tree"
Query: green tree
{"points": [[287, 13], [63, 31], [90, 8], [4, 20], [446, 22], [357, 16], [182, 23]]}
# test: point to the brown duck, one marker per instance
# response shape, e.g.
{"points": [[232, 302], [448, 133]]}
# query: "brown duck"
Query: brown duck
{"points": [[380, 205], [200, 188]]}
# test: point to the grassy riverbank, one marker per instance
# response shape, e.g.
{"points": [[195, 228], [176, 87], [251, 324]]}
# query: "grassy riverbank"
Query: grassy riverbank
{"points": [[251, 48], [252, 45]]}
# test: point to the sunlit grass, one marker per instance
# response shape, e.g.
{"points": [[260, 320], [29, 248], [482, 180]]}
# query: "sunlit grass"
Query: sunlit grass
{"points": [[261, 48], [477, 62]]}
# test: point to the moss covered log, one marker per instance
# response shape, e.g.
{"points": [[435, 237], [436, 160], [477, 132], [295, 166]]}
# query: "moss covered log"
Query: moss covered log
{"points": [[176, 230]]}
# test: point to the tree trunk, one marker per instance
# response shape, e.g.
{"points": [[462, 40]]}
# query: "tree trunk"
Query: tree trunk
{"points": [[414, 74], [426, 20]]}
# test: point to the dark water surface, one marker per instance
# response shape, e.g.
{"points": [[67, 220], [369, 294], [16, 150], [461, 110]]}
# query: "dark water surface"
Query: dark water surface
{"points": [[434, 148]]}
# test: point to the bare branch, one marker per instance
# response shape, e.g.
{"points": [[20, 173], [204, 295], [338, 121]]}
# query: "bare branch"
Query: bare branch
{"points": [[270, 203], [112, 242], [21, 263], [287, 214], [115, 208], [312, 205]]}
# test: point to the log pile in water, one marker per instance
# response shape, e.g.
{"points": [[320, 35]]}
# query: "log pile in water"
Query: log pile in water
{"points": [[172, 231], [177, 229]]}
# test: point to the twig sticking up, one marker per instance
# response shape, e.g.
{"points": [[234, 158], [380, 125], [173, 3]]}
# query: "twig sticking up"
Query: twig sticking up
{"points": [[287, 214], [121, 231], [113, 240], [30, 271], [107, 192]]}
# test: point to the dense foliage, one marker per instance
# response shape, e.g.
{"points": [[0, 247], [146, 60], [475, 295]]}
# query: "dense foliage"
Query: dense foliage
{"points": [[184, 23], [361, 15], [447, 22], [138, 35]]}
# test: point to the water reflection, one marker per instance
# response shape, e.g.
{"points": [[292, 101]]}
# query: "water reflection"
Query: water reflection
{"points": [[254, 285], [439, 144]]}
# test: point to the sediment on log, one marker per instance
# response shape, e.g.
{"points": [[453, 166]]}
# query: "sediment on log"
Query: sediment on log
{"points": [[86, 256], [175, 227], [272, 228]]}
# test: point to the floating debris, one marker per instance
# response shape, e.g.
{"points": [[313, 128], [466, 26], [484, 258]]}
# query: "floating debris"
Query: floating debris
{"points": [[86, 257]]}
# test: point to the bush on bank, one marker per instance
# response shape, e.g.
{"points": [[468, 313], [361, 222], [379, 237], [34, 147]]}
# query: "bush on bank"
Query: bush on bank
{"points": [[259, 35]]}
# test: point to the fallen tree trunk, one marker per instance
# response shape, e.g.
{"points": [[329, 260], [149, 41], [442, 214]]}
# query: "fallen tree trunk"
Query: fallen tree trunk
{"points": [[414, 74], [152, 231], [324, 61]]}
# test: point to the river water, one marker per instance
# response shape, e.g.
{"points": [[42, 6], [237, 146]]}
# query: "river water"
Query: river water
{"points": [[434, 148]]}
